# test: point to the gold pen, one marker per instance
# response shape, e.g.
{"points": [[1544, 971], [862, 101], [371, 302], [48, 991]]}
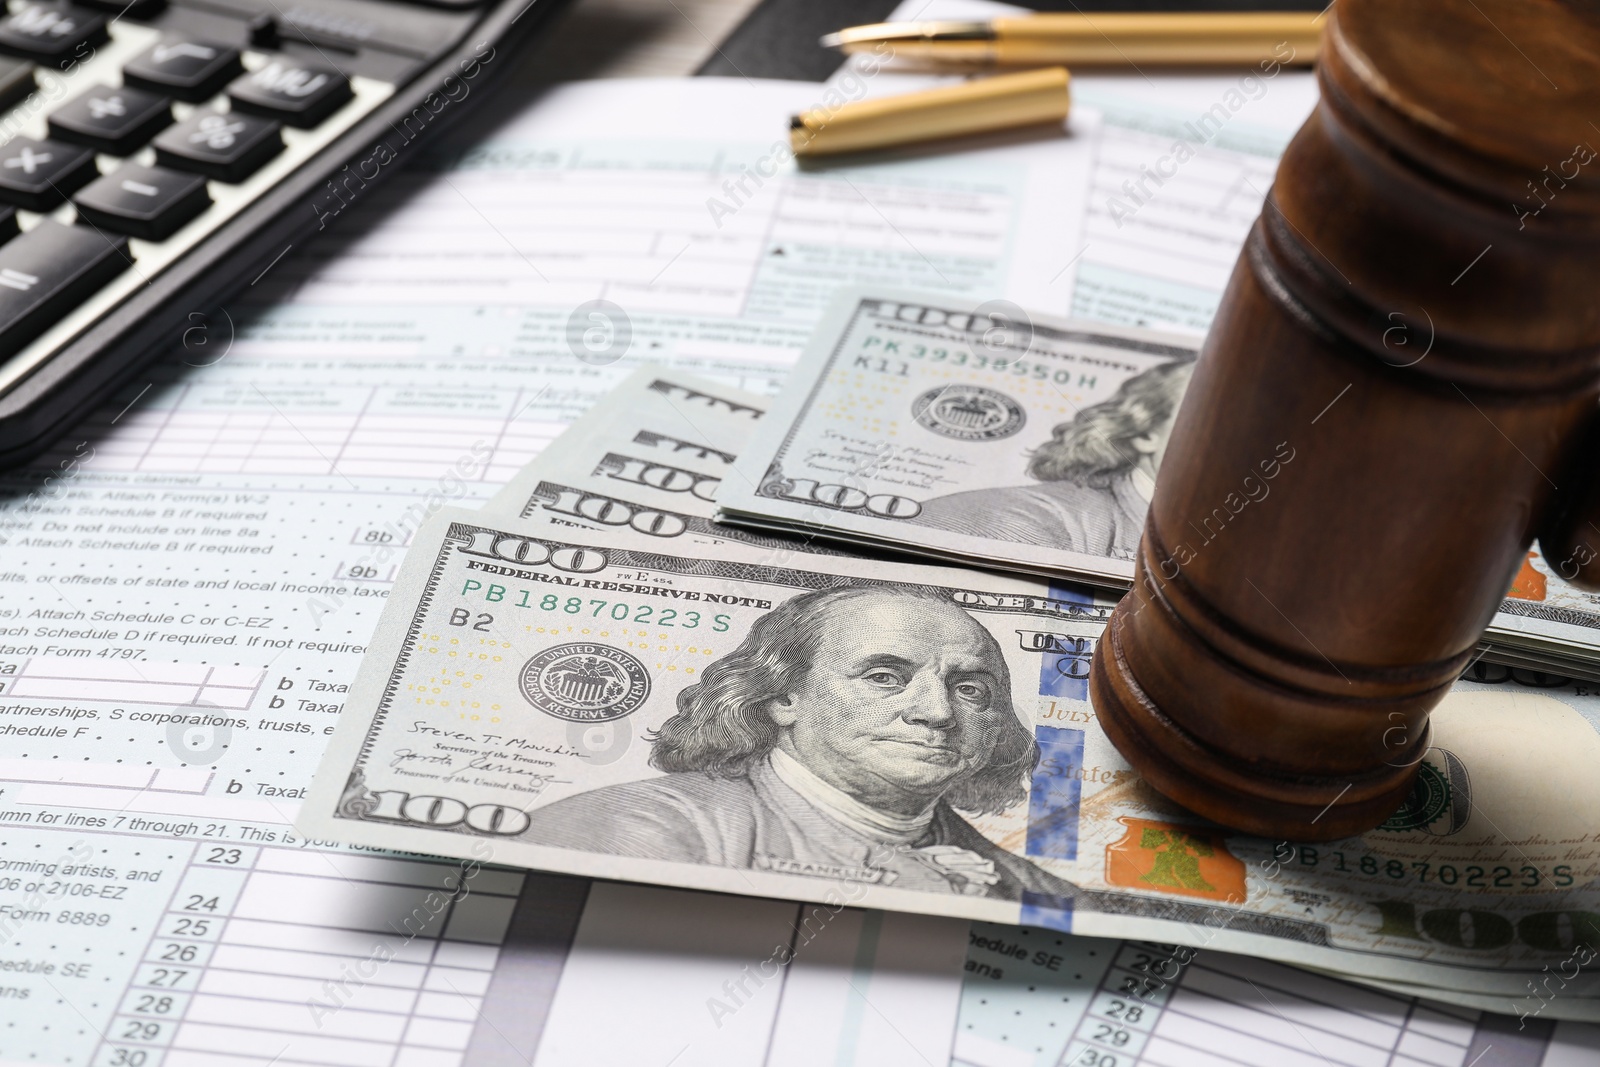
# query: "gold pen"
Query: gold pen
{"points": [[998, 103], [1286, 38]]}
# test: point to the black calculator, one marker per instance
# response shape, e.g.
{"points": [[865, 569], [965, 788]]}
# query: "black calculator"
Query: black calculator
{"points": [[157, 156]]}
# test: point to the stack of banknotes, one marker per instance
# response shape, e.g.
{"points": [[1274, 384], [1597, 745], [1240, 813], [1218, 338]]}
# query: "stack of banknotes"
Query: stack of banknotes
{"points": [[593, 674], [995, 438]]}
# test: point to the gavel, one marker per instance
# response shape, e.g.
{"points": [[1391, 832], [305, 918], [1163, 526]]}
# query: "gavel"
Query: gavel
{"points": [[1405, 366]]}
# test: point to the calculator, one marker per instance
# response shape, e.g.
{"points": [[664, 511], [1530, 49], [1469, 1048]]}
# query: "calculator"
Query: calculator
{"points": [[158, 156]]}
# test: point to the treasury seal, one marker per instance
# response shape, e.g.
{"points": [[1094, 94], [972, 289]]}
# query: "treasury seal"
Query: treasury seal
{"points": [[1440, 803], [584, 682], [968, 413]]}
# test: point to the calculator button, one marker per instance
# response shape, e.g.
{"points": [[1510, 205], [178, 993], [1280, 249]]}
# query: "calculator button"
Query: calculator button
{"points": [[16, 80], [188, 70], [39, 175], [111, 120], [47, 272], [226, 146], [292, 92], [140, 201], [48, 32]]}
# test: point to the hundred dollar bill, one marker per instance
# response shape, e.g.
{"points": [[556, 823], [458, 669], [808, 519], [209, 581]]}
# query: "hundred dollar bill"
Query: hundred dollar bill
{"points": [[647, 459], [853, 731], [1548, 620], [662, 433], [983, 434], [968, 433]]}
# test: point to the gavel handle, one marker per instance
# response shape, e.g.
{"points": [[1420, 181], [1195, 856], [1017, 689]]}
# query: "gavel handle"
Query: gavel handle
{"points": [[1571, 540]]}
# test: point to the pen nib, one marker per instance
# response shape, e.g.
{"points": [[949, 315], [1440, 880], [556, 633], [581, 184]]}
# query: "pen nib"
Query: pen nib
{"points": [[857, 37]]}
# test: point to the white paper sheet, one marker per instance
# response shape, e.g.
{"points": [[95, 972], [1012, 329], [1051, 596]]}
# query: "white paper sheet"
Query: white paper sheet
{"points": [[1037, 998], [659, 975], [1158, 251], [187, 583]]}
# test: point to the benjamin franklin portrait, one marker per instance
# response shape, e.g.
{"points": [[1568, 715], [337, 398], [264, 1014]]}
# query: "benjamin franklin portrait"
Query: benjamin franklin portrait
{"points": [[839, 740], [1093, 478]]}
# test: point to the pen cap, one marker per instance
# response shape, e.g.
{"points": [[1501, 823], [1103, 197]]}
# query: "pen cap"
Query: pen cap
{"points": [[1002, 102]]}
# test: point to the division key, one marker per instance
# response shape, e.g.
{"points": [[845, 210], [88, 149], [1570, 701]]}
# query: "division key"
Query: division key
{"points": [[111, 120]]}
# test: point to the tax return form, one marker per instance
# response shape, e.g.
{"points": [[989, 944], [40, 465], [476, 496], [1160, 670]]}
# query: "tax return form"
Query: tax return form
{"points": [[188, 583]]}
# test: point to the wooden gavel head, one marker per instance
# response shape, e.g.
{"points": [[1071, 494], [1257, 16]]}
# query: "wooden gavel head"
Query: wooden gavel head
{"points": [[1399, 393]]}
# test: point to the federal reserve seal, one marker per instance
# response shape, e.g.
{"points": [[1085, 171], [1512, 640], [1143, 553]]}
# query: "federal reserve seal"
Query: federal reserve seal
{"points": [[968, 413], [584, 682]]}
